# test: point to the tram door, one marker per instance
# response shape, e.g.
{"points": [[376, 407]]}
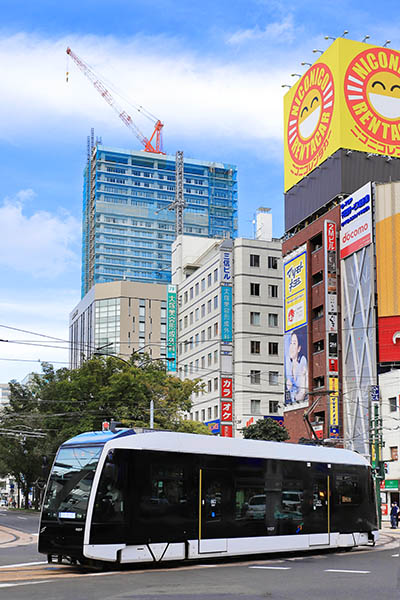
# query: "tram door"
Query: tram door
{"points": [[215, 494], [320, 510]]}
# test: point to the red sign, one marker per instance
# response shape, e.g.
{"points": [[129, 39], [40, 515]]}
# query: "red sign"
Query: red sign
{"points": [[226, 387], [226, 411], [333, 365], [331, 236], [226, 430], [319, 431], [384, 509], [389, 339], [250, 421]]}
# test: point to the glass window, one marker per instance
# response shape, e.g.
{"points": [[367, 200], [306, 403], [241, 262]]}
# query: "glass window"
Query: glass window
{"points": [[185, 297], [209, 413], [209, 306], [216, 411], [197, 314], [209, 279], [196, 289], [203, 310], [254, 260], [393, 404], [203, 335], [254, 289], [348, 489], [394, 453], [215, 329], [273, 348], [215, 302], [70, 483], [273, 291], [209, 358], [203, 284], [191, 293], [215, 274], [255, 318], [215, 385], [255, 347], [272, 262], [209, 333], [273, 406], [191, 318], [255, 407], [255, 376], [215, 356], [273, 378], [272, 320]]}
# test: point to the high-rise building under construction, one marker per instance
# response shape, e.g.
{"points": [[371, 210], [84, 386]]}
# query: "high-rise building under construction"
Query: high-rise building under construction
{"points": [[127, 227]]}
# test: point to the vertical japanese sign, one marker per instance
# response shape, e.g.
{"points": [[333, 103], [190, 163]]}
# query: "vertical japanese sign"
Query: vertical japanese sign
{"points": [[171, 327], [226, 411], [331, 304], [226, 266], [226, 387], [333, 407], [295, 339], [226, 430], [226, 313]]}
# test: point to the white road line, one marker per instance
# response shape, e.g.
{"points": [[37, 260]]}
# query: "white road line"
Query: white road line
{"points": [[31, 564], [345, 571], [274, 568], [4, 585], [395, 555], [24, 518]]}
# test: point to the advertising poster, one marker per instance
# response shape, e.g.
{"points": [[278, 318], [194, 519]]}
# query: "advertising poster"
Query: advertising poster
{"points": [[356, 221], [296, 330], [296, 367], [347, 99]]}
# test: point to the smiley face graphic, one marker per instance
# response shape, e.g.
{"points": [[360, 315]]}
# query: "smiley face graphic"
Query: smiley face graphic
{"points": [[309, 118], [383, 92], [310, 113], [372, 92]]}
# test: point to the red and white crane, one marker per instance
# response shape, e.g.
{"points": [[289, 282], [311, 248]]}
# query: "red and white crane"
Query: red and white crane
{"points": [[154, 144]]}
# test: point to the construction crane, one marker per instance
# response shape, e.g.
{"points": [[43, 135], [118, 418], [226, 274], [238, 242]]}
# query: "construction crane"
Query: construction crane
{"points": [[149, 145]]}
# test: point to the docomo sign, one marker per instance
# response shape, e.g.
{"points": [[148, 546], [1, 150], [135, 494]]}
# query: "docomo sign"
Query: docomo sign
{"points": [[356, 221]]}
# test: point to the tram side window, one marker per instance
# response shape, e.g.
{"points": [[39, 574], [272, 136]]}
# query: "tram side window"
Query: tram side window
{"points": [[348, 489], [167, 486]]}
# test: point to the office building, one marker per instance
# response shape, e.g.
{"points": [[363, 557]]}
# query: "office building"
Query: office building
{"points": [[230, 327], [119, 318], [127, 227]]}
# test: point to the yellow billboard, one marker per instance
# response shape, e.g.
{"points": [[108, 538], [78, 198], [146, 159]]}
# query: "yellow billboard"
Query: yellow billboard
{"points": [[349, 98], [295, 290]]}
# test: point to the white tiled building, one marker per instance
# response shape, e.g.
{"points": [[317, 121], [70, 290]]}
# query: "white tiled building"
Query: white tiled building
{"points": [[389, 385], [245, 348]]}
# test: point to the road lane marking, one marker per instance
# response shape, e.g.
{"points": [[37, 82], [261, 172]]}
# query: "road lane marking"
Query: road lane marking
{"points": [[395, 555], [4, 585], [345, 571], [24, 518], [274, 568], [42, 562]]}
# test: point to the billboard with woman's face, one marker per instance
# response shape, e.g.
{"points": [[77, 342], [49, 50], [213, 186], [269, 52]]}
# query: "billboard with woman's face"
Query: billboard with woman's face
{"points": [[296, 323]]}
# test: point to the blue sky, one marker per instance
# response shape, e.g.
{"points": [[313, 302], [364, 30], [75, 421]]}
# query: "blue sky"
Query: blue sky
{"points": [[212, 71]]}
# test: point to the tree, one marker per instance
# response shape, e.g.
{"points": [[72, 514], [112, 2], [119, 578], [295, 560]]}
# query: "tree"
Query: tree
{"points": [[59, 404], [266, 429]]}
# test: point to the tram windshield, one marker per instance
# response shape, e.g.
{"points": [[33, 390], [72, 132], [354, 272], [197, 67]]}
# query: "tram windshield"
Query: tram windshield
{"points": [[70, 483]]}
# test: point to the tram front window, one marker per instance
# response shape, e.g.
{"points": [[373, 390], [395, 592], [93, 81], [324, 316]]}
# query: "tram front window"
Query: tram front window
{"points": [[70, 483]]}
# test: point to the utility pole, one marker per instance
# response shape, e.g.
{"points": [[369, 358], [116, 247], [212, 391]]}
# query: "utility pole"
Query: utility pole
{"points": [[376, 448]]}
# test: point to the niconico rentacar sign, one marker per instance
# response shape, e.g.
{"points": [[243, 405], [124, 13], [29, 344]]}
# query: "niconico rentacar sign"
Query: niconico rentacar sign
{"points": [[310, 117], [350, 99], [372, 91]]}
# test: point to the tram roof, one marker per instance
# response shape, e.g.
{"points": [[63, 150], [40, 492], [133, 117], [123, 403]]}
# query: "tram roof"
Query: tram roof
{"points": [[166, 441]]}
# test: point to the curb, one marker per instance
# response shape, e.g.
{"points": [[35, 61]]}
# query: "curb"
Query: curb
{"points": [[12, 537]]}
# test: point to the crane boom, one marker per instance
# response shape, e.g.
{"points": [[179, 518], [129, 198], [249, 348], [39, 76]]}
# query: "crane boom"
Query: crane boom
{"points": [[123, 115]]}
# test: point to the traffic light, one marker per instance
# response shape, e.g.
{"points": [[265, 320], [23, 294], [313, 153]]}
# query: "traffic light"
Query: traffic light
{"points": [[386, 467]]}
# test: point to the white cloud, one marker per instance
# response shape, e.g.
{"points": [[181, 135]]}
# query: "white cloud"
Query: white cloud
{"points": [[193, 95], [41, 244], [34, 312], [276, 32]]}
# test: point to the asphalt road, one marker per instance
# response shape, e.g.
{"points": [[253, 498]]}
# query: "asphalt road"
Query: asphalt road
{"points": [[363, 574]]}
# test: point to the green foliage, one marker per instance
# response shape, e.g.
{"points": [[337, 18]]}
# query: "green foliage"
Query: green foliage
{"points": [[61, 404], [266, 429]]}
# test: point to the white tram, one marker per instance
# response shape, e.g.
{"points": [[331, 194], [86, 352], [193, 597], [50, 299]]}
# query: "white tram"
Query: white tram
{"points": [[160, 496]]}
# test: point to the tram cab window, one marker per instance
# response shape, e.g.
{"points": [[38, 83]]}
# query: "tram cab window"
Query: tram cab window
{"points": [[348, 489]]}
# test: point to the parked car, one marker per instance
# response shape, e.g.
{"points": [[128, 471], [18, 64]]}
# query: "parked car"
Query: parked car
{"points": [[256, 507]]}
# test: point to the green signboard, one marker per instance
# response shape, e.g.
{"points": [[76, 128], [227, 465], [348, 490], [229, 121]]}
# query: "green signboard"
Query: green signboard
{"points": [[171, 327], [391, 484]]}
